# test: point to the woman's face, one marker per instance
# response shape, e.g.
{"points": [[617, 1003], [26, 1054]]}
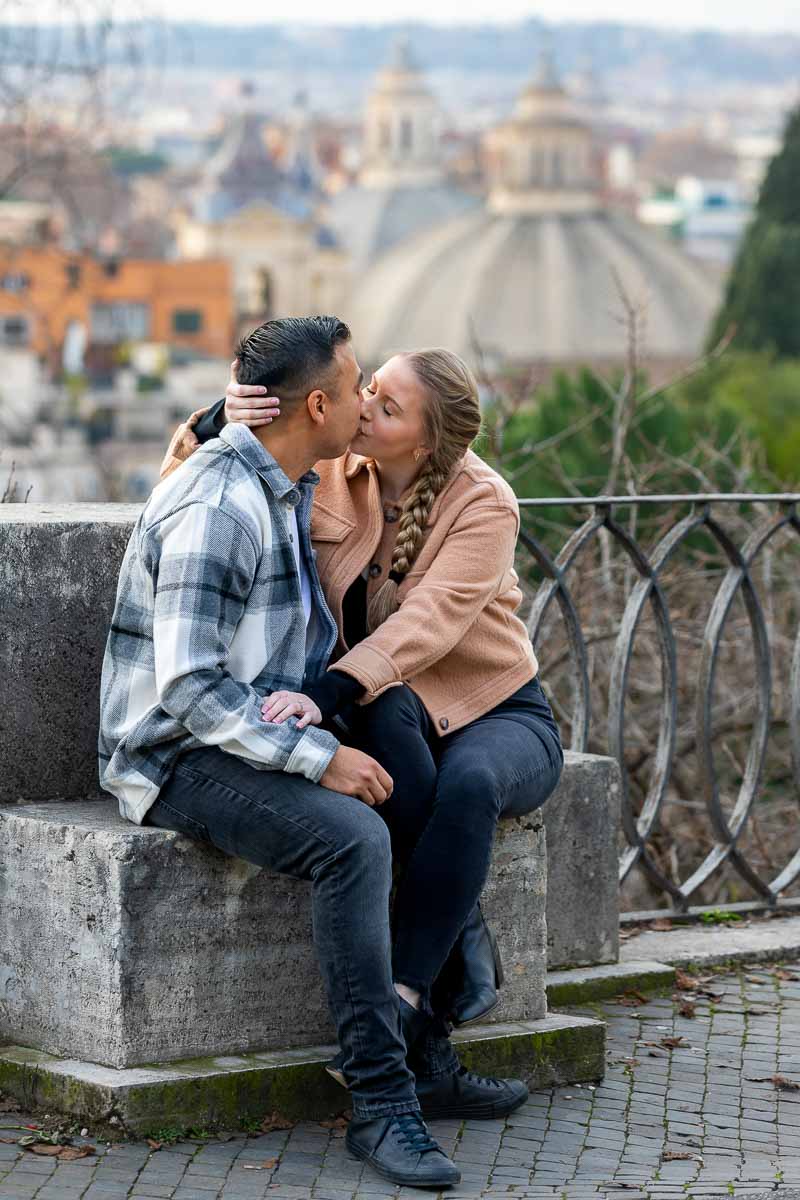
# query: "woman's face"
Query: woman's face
{"points": [[392, 403]]}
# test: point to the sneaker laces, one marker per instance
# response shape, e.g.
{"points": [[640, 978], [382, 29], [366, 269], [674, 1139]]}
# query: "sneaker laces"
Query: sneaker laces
{"points": [[471, 1077], [414, 1132]]}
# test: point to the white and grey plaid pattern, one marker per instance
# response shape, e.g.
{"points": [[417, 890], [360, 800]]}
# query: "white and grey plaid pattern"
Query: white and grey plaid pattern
{"points": [[208, 620]]}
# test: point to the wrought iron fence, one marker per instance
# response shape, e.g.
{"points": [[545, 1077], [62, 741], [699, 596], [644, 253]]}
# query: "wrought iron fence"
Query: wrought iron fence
{"points": [[630, 557]]}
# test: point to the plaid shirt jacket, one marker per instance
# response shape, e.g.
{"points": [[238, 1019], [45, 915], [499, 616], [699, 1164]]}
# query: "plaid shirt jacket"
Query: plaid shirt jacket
{"points": [[208, 620]]}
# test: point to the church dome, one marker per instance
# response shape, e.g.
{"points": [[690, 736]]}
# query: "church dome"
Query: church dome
{"points": [[535, 274], [402, 187], [526, 288]]}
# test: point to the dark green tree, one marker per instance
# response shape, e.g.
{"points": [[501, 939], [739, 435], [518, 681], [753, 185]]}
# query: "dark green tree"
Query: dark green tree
{"points": [[762, 298]]}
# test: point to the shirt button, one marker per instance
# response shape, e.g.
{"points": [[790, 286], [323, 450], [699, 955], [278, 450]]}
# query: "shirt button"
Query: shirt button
{"points": [[375, 570], [443, 721]]}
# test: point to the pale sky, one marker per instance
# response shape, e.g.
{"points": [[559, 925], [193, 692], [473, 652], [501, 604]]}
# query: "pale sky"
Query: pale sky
{"points": [[731, 15], [710, 14]]}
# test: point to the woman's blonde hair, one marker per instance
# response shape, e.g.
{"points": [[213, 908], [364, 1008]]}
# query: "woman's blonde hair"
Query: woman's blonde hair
{"points": [[451, 422]]}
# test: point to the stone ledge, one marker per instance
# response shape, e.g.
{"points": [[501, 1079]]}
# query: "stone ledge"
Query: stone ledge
{"points": [[705, 946], [586, 984], [221, 1091]]}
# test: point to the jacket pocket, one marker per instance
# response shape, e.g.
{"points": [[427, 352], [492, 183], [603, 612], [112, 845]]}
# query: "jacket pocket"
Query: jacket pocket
{"points": [[328, 526]]}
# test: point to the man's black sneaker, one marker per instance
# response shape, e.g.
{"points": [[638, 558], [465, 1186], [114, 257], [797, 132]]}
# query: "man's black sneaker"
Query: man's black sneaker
{"points": [[465, 1094], [401, 1149]]}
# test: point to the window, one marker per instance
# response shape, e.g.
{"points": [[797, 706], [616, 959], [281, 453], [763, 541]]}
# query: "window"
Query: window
{"points": [[406, 133], [119, 321], [15, 281], [14, 331], [187, 320]]}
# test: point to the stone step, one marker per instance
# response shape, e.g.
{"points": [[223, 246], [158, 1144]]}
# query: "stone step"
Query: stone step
{"points": [[582, 985], [221, 1091]]}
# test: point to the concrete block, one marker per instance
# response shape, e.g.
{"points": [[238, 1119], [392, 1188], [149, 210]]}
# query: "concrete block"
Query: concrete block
{"points": [[123, 944], [222, 1091], [582, 823], [58, 579]]}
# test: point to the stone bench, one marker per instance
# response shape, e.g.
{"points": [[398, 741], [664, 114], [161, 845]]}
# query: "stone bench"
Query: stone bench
{"points": [[124, 949], [125, 944]]}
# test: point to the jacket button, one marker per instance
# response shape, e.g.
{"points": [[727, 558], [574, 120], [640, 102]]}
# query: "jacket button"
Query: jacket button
{"points": [[443, 721], [375, 570]]}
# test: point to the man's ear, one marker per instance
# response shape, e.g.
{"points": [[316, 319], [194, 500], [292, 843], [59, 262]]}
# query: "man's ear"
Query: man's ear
{"points": [[317, 403]]}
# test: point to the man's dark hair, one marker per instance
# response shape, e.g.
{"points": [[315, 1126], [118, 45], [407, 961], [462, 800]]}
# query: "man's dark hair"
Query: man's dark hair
{"points": [[291, 356]]}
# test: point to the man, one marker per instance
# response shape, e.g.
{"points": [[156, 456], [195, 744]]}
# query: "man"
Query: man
{"points": [[218, 605]]}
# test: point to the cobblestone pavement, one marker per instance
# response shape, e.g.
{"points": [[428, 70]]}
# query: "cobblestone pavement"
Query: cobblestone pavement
{"points": [[701, 1119]]}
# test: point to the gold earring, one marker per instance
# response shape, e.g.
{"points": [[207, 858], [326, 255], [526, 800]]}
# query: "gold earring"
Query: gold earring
{"points": [[416, 455]]}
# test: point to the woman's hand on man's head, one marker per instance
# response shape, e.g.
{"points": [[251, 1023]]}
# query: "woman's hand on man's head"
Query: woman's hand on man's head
{"points": [[249, 403]]}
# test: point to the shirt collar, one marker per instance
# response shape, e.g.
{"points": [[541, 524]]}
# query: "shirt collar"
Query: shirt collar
{"points": [[247, 446]]}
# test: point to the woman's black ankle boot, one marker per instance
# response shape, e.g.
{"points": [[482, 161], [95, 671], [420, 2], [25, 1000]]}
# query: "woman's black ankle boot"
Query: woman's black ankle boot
{"points": [[473, 972]]}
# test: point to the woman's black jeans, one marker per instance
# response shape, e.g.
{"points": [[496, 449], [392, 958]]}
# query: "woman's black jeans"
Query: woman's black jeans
{"points": [[448, 795]]}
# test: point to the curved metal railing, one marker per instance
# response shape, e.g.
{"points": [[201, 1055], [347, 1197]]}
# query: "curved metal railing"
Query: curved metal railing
{"points": [[646, 593]]}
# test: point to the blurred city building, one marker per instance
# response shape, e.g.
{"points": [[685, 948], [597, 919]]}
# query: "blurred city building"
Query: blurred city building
{"points": [[534, 274], [402, 187], [47, 295], [262, 219]]}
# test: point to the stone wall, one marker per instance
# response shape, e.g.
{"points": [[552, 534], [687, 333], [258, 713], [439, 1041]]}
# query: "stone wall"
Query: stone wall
{"points": [[58, 579]]}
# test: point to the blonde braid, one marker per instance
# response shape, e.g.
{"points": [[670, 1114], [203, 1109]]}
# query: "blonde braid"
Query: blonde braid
{"points": [[410, 531], [452, 421]]}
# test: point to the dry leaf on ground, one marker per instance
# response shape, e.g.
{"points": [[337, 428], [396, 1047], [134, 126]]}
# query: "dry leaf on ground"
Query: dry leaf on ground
{"points": [[70, 1153], [780, 1081], [338, 1125], [685, 1007], [684, 981], [274, 1122], [673, 1043], [631, 997], [675, 1155], [661, 923]]}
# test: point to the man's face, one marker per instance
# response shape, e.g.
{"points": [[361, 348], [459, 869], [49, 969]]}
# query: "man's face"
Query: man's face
{"points": [[343, 415]]}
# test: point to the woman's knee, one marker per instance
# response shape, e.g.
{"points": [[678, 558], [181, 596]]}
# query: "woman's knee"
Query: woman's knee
{"points": [[470, 791]]}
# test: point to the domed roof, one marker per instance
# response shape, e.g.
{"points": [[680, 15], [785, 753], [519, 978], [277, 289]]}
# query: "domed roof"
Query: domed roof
{"points": [[370, 221], [241, 173], [529, 287]]}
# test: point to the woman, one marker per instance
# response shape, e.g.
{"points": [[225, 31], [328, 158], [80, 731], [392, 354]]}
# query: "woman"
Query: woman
{"points": [[414, 538]]}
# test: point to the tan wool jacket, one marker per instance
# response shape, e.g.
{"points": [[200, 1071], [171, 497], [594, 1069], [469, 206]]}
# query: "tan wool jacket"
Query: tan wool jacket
{"points": [[455, 639]]}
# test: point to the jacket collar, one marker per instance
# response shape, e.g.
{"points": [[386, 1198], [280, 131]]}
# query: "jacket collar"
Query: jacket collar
{"points": [[244, 442], [356, 462]]}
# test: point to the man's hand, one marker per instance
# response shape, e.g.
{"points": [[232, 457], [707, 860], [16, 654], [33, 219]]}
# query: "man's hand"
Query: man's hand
{"points": [[278, 706], [356, 774], [249, 403]]}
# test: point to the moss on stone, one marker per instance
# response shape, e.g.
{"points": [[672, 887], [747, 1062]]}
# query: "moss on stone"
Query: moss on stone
{"points": [[584, 990], [212, 1097]]}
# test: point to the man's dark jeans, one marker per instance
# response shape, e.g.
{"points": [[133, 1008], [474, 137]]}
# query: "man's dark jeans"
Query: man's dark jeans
{"points": [[342, 846]]}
